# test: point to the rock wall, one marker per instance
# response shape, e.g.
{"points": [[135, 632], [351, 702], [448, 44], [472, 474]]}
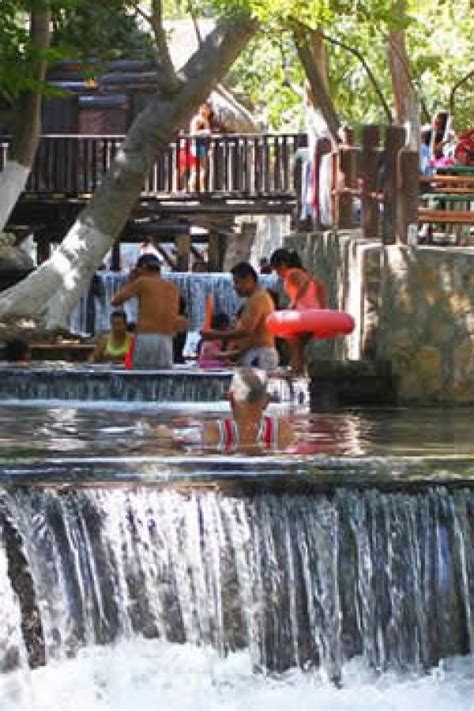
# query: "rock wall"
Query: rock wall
{"points": [[414, 308]]}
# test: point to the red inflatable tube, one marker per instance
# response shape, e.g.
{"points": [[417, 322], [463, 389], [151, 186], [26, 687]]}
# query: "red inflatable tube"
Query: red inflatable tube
{"points": [[322, 323]]}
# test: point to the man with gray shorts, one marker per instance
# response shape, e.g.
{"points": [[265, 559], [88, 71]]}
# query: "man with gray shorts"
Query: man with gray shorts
{"points": [[254, 343], [158, 313]]}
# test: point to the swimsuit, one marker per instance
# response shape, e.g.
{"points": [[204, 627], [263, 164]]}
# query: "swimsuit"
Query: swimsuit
{"points": [[117, 352], [229, 434]]}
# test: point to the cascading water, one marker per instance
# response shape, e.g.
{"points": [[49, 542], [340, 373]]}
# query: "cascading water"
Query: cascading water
{"points": [[294, 580]]}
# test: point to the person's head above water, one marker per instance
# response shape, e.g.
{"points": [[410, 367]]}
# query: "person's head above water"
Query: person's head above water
{"points": [[249, 387]]}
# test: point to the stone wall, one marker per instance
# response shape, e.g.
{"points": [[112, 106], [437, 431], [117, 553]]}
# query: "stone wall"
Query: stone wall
{"points": [[427, 321], [414, 308]]}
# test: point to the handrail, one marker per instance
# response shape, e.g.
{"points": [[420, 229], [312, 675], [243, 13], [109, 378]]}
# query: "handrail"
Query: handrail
{"points": [[246, 164]]}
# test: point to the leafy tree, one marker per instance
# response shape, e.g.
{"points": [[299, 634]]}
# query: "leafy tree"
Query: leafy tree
{"points": [[50, 292]]}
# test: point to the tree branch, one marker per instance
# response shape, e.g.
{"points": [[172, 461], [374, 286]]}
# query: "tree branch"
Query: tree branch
{"points": [[168, 81], [452, 100], [315, 79], [406, 68], [368, 70]]}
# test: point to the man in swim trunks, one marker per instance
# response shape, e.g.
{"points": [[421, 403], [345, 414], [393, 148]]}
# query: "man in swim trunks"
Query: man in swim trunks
{"points": [[158, 313], [252, 339]]}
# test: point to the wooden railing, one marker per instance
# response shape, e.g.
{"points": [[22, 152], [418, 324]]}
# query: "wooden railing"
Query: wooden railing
{"points": [[249, 165]]}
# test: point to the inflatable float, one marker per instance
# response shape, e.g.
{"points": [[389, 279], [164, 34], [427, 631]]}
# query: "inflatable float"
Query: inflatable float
{"points": [[322, 323]]}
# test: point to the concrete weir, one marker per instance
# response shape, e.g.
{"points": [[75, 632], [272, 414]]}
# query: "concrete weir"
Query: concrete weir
{"points": [[93, 383]]}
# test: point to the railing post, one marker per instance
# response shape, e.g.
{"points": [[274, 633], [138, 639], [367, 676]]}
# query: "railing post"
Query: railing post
{"points": [[345, 182], [368, 170], [183, 251], [394, 141], [116, 258], [215, 252], [408, 194]]}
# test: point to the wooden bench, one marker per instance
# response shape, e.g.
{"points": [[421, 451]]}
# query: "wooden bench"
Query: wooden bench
{"points": [[448, 187], [446, 217]]}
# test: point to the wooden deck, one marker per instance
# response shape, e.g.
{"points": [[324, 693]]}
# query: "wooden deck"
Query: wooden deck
{"points": [[256, 168]]}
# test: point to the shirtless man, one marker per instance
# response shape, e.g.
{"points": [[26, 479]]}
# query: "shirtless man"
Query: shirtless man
{"points": [[252, 339], [158, 313]]}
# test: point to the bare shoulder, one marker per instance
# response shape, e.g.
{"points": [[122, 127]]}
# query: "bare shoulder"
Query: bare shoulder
{"points": [[210, 434], [286, 434]]}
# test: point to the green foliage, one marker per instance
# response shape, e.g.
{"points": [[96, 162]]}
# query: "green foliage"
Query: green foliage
{"points": [[103, 30], [441, 52]]}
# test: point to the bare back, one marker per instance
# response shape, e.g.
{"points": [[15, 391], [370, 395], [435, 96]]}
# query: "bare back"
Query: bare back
{"points": [[158, 304]]}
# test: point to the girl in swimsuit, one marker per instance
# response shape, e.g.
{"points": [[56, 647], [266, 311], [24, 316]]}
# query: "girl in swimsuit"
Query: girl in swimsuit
{"points": [[303, 291], [115, 345]]}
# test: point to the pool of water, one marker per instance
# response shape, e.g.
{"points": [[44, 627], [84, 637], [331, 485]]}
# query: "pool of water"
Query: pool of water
{"points": [[97, 430]]}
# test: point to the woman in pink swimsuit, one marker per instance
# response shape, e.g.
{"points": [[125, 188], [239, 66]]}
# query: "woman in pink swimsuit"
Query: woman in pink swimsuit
{"points": [[303, 291]]}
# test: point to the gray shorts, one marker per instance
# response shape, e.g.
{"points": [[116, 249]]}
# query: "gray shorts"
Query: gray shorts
{"points": [[153, 350], [265, 358]]}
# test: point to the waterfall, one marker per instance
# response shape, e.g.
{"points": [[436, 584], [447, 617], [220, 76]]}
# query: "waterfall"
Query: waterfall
{"points": [[295, 580], [193, 287], [86, 384]]}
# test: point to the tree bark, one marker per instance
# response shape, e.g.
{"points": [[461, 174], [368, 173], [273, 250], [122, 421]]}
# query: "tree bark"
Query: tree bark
{"points": [[317, 79], [54, 288], [399, 63], [27, 121]]}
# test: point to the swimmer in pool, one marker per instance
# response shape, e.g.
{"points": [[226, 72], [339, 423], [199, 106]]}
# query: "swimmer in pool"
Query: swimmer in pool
{"points": [[248, 428]]}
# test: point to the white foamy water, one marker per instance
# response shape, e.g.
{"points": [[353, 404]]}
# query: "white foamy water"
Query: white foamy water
{"points": [[159, 676]]}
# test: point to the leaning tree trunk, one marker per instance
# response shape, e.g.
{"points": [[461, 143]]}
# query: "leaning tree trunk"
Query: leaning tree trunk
{"points": [[27, 121], [306, 46], [55, 287], [399, 63]]}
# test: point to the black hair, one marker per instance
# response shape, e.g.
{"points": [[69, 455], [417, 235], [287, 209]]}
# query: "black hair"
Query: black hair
{"points": [[150, 261], [119, 314], [285, 258], [220, 320], [244, 270], [16, 350]]}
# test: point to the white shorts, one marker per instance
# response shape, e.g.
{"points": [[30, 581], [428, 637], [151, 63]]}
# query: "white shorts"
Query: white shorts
{"points": [[153, 350]]}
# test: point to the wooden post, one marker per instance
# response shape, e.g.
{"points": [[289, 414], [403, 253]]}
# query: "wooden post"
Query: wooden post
{"points": [[323, 147], [408, 195], [368, 170], [116, 258], [183, 251], [43, 250], [345, 178], [394, 142], [214, 252]]}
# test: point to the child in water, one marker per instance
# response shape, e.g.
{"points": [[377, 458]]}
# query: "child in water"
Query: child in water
{"points": [[303, 291], [209, 351]]}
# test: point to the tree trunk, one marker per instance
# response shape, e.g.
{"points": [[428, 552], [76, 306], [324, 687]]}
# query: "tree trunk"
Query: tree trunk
{"points": [[317, 79], [27, 121], [54, 288], [399, 63]]}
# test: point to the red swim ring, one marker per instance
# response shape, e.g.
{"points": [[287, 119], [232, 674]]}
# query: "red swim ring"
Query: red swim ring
{"points": [[322, 323]]}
